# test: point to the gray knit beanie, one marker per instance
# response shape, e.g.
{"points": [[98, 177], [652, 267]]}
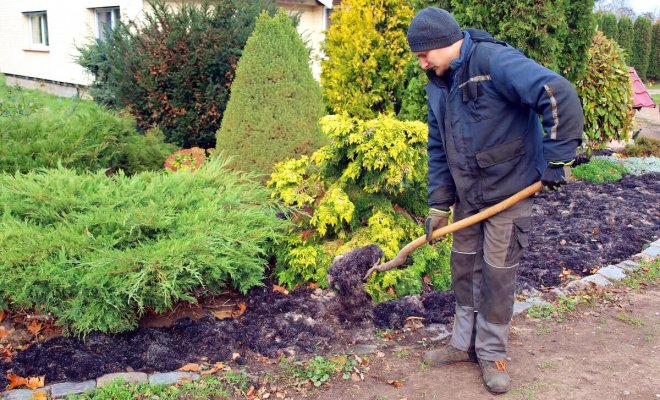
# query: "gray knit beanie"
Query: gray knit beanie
{"points": [[433, 28]]}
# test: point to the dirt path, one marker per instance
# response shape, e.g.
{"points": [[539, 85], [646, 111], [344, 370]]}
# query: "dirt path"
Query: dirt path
{"points": [[610, 351]]}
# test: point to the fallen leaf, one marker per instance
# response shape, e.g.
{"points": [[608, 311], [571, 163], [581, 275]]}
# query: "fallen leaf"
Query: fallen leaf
{"points": [[3, 332], [313, 285], [215, 368], [396, 384], [2, 315], [39, 396], [234, 356], [191, 367], [18, 381], [281, 290], [222, 314], [240, 310], [391, 291], [15, 381], [34, 327], [36, 382]]}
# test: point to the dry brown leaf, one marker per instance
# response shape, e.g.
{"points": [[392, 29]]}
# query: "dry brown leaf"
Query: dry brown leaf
{"points": [[395, 383], [281, 290], [222, 314], [15, 381], [2, 315], [3, 332], [240, 310], [39, 396], [215, 368], [391, 291], [36, 382], [313, 285], [190, 367], [34, 327]]}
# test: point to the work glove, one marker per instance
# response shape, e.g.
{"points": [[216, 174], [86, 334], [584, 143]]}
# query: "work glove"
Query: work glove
{"points": [[437, 219], [554, 175]]}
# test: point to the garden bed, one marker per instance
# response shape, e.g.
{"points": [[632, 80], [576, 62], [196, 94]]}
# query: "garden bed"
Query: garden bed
{"points": [[577, 230]]}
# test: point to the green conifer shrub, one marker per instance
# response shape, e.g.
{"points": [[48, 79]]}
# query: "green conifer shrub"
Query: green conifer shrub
{"points": [[643, 33], [368, 186], [275, 104], [606, 94], [87, 139], [609, 25], [364, 73], [599, 171], [654, 59], [625, 35], [97, 251], [174, 70], [555, 33]]}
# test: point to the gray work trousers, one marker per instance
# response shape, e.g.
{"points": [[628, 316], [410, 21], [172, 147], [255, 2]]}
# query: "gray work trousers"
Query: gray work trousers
{"points": [[484, 259]]}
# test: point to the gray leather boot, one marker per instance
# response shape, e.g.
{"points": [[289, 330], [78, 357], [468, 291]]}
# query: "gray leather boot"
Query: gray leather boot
{"points": [[495, 376], [448, 355]]}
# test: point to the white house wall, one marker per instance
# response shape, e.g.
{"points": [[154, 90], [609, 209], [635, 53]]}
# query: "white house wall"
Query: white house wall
{"points": [[71, 24]]}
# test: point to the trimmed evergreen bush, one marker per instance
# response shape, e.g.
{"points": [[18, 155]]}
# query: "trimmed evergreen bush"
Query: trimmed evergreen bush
{"points": [[555, 33], [608, 25], [654, 59], [606, 94], [174, 70], [42, 131], [368, 186], [275, 104], [625, 35], [365, 71], [639, 59], [97, 251]]}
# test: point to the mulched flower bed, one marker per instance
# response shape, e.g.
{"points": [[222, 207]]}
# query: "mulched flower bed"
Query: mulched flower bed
{"points": [[578, 229]]}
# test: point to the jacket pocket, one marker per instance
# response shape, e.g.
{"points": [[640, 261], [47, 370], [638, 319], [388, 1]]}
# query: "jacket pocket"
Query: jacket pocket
{"points": [[499, 175]]}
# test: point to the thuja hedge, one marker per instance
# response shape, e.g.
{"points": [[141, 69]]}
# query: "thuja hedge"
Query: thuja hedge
{"points": [[98, 251], [368, 186]]}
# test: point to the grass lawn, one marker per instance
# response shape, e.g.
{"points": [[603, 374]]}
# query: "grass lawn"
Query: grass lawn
{"points": [[656, 98]]}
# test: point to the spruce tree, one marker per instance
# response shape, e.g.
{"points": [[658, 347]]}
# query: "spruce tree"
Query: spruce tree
{"points": [[654, 60], [275, 103], [608, 25], [641, 46], [625, 35]]}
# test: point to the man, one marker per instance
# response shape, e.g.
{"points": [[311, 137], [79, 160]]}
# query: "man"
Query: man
{"points": [[486, 142]]}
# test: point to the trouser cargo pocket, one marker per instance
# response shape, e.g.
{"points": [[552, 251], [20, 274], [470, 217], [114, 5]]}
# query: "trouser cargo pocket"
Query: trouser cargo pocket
{"points": [[519, 240]]}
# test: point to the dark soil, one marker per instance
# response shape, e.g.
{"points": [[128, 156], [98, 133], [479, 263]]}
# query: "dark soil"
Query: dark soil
{"points": [[582, 227]]}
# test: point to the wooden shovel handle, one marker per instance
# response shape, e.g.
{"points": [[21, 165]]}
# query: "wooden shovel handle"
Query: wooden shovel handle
{"points": [[456, 226]]}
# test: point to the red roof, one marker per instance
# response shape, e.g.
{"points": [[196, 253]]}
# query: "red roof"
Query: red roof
{"points": [[641, 97]]}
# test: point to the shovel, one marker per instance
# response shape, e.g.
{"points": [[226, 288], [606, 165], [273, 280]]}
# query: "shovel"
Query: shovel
{"points": [[456, 226]]}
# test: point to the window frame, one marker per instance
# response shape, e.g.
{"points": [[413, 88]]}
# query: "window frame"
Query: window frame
{"points": [[115, 16], [43, 28]]}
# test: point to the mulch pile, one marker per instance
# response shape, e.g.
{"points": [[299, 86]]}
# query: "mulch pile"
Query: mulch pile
{"points": [[582, 227]]}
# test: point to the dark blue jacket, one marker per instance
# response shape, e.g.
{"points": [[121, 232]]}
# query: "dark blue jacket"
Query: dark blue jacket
{"points": [[486, 141]]}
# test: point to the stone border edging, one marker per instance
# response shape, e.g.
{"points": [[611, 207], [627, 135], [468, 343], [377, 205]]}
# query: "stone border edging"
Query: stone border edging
{"points": [[604, 277]]}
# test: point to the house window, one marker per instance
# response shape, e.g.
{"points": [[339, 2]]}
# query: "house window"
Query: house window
{"points": [[327, 12], [106, 21], [38, 25]]}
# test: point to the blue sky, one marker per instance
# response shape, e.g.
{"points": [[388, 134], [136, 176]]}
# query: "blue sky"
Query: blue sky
{"points": [[640, 6]]}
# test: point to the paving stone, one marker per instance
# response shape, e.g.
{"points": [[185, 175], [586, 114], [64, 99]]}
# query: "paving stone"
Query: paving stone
{"points": [[127, 377], [628, 265], [23, 394], [60, 390], [585, 282], [656, 243], [612, 273], [653, 251], [171, 378], [520, 306], [362, 349]]}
